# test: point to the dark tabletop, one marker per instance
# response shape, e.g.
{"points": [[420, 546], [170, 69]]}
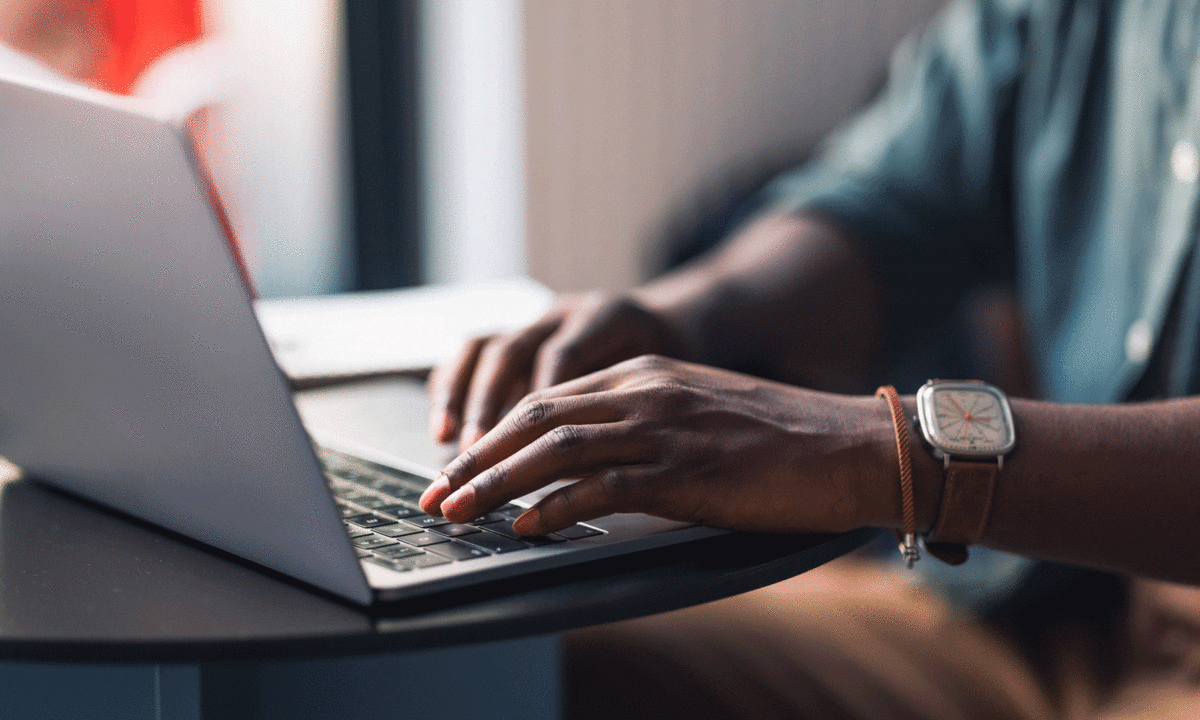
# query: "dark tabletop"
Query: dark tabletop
{"points": [[81, 584]]}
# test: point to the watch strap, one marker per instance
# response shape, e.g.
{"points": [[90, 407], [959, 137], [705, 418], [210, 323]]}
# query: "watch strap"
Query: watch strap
{"points": [[965, 508]]}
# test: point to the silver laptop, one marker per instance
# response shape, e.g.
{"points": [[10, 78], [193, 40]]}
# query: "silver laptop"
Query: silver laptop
{"points": [[133, 373]]}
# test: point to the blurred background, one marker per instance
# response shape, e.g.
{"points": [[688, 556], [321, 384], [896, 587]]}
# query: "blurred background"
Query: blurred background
{"points": [[383, 143]]}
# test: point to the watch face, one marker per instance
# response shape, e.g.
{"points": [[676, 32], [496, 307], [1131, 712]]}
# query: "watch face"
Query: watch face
{"points": [[966, 419]]}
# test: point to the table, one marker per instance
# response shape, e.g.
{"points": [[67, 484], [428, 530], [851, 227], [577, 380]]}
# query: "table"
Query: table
{"points": [[89, 598]]}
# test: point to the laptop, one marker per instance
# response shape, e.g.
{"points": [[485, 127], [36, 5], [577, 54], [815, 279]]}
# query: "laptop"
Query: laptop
{"points": [[133, 373]]}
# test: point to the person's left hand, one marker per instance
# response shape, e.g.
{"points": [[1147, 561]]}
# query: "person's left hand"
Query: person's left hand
{"points": [[683, 442]]}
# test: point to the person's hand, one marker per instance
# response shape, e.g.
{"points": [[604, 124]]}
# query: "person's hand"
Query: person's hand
{"points": [[684, 442], [582, 334]]}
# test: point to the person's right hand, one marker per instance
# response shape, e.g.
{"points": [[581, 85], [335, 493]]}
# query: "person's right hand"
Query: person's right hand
{"points": [[583, 333]]}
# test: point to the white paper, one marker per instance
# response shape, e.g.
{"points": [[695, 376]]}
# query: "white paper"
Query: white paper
{"points": [[367, 333]]}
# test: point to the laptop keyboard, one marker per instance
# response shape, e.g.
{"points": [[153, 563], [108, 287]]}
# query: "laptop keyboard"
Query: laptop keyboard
{"points": [[386, 526]]}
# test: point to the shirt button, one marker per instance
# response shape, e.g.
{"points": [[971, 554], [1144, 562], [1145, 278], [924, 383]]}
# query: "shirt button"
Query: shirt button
{"points": [[1185, 162], [1139, 341]]}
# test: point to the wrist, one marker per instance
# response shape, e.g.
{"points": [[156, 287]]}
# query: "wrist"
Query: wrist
{"points": [[928, 474], [678, 306], [883, 497]]}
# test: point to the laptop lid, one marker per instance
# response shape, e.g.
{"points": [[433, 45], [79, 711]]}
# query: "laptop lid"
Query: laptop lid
{"points": [[132, 370]]}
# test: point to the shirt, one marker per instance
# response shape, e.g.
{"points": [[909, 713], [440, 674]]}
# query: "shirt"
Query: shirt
{"points": [[1052, 144]]}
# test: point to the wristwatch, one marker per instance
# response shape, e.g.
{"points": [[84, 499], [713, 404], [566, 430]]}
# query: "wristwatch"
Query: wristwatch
{"points": [[968, 424]]}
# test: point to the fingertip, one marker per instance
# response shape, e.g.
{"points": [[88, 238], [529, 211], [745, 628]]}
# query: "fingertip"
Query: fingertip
{"points": [[527, 523], [459, 506], [431, 499], [442, 425]]}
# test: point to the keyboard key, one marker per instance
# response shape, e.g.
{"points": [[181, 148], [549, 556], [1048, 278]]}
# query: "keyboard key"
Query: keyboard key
{"points": [[408, 494], [349, 510], [372, 481], [493, 542], [374, 502], [408, 478], [396, 564], [350, 494], [506, 529], [397, 530], [421, 539], [388, 486], [369, 520], [355, 531], [398, 551], [362, 553], [426, 561], [454, 529], [458, 551], [578, 531], [370, 542], [541, 540], [418, 562], [399, 511], [490, 518], [511, 510], [426, 521]]}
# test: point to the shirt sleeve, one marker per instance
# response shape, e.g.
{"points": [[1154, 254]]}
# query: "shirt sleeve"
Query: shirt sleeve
{"points": [[923, 177]]}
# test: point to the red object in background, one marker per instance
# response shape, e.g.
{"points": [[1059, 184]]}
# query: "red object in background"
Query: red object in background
{"points": [[138, 32]]}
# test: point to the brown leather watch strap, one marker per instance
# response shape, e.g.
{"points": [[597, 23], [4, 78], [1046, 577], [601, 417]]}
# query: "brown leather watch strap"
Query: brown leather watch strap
{"points": [[965, 507]]}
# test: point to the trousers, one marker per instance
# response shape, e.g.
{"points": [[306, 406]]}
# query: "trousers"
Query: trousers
{"points": [[861, 639]]}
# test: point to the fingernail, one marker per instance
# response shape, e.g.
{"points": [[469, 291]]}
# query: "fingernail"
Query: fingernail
{"points": [[525, 524], [459, 503], [441, 425], [433, 496]]}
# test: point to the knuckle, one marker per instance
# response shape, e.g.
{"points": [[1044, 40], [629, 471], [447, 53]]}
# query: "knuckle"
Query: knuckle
{"points": [[535, 396], [491, 480], [501, 350], [566, 438], [535, 412], [615, 487], [566, 355], [648, 362], [465, 464]]}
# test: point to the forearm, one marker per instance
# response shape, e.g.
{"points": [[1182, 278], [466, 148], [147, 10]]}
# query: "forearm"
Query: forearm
{"points": [[790, 294], [1109, 486]]}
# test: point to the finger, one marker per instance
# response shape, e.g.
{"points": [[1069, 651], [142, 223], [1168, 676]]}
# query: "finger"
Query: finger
{"points": [[567, 451], [584, 343], [502, 364], [448, 387], [595, 382], [525, 424], [612, 490]]}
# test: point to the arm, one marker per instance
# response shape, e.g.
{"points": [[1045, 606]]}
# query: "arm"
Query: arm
{"points": [[1106, 486], [1110, 486], [792, 294]]}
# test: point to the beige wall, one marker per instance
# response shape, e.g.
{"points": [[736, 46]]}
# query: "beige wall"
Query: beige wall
{"points": [[634, 106]]}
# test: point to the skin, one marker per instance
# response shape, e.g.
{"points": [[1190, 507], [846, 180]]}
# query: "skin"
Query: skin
{"points": [[1106, 486], [67, 35]]}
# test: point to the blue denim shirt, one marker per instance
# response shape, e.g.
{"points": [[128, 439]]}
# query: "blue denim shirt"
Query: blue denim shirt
{"points": [[1052, 144]]}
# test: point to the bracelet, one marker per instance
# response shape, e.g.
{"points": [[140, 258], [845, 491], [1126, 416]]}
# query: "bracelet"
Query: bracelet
{"points": [[907, 539]]}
